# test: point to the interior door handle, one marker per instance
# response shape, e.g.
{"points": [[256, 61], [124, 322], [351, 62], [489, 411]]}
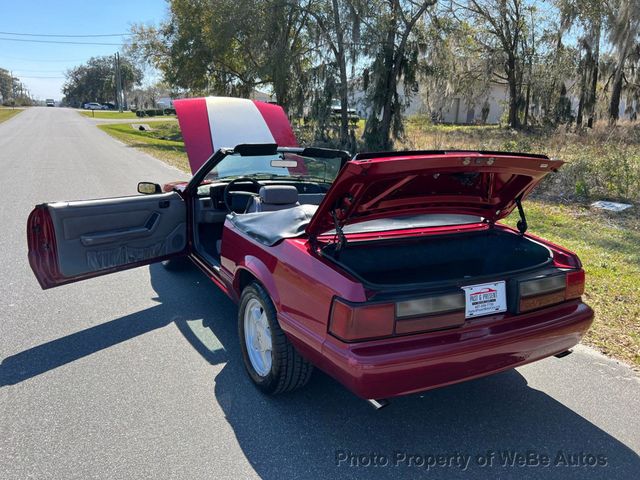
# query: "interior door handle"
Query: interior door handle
{"points": [[100, 238]]}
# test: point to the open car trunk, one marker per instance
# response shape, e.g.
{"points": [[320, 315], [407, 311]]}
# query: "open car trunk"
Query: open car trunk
{"points": [[441, 258]]}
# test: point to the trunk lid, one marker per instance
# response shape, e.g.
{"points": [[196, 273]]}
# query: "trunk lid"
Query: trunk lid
{"points": [[384, 185]]}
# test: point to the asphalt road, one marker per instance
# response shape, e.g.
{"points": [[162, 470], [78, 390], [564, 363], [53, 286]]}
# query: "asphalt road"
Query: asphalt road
{"points": [[139, 375]]}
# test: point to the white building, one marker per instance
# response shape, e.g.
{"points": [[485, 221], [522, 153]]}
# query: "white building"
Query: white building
{"points": [[458, 110]]}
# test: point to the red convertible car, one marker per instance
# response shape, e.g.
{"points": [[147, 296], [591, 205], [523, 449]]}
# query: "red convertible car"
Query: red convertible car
{"points": [[388, 271]]}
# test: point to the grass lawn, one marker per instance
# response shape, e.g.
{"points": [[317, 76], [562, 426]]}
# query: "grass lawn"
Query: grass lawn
{"points": [[7, 113], [609, 246], [106, 114], [163, 141]]}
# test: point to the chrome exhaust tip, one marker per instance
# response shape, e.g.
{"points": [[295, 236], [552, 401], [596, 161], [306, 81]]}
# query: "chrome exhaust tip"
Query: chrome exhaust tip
{"points": [[563, 354], [378, 403]]}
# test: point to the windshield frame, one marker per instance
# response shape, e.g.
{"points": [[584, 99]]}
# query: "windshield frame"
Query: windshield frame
{"points": [[262, 150]]}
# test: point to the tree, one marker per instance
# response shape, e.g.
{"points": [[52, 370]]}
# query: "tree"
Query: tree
{"points": [[395, 53], [6, 85], [501, 27], [286, 50], [453, 64], [632, 77], [197, 48], [95, 80], [623, 35], [563, 107], [589, 15], [336, 24], [12, 90], [229, 47]]}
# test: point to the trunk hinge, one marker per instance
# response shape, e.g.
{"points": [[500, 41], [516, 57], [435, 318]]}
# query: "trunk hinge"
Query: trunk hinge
{"points": [[313, 241], [341, 240], [522, 223]]}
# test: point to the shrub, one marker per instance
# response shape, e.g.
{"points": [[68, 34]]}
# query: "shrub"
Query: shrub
{"points": [[601, 163], [612, 171]]}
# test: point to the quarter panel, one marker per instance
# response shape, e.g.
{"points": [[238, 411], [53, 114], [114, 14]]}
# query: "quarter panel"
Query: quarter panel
{"points": [[300, 284]]}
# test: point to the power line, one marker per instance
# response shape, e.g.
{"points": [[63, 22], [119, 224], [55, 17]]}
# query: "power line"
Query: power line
{"points": [[36, 71], [36, 60], [27, 76], [58, 41], [69, 36]]}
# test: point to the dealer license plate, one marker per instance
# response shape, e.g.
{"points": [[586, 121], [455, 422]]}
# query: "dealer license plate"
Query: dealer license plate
{"points": [[485, 299]]}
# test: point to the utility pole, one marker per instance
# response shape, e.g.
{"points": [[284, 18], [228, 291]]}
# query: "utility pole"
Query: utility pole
{"points": [[124, 93], [119, 82], [115, 79], [13, 91]]}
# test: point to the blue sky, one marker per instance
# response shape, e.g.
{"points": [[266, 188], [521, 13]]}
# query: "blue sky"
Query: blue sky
{"points": [[28, 61]]}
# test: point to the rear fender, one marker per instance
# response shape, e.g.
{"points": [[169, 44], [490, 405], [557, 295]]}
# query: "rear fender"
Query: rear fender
{"points": [[262, 274]]}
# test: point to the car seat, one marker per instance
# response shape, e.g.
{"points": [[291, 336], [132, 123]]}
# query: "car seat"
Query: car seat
{"points": [[274, 197]]}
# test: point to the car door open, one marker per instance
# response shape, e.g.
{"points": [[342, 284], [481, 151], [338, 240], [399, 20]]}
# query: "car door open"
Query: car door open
{"points": [[72, 241]]}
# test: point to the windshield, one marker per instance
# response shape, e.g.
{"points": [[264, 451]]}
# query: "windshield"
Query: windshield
{"points": [[284, 165]]}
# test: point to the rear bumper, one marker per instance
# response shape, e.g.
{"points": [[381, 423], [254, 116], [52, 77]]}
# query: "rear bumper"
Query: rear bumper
{"points": [[400, 366]]}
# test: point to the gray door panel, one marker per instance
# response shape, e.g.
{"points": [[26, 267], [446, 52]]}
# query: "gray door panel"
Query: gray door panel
{"points": [[94, 235]]}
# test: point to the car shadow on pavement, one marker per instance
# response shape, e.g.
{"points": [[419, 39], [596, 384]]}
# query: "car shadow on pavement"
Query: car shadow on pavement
{"points": [[324, 431], [171, 309], [58, 352]]}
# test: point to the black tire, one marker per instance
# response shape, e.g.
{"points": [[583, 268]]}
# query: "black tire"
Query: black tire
{"points": [[289, 371], [177, 264]]}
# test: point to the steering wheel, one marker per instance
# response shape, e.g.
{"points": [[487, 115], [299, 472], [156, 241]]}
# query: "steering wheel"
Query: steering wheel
{"points": [[227, 196]]}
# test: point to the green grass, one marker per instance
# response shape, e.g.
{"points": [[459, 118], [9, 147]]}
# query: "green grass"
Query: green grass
{"points": [[7, 113], [609, 246], [107, 114], [163, 141]]}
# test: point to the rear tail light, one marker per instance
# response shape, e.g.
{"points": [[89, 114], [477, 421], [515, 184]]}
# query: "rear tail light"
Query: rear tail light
{"points": [[575, 284], [361, 322], [542, 292], [351, 322]]}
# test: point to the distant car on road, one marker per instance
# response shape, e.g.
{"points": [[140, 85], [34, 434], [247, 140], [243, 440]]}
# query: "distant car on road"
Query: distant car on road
{"points": [[93, 106], [50, 102]]}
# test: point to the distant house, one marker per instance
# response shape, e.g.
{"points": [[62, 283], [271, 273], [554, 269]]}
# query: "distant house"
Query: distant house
{"points": [[262, 96], [164, 102], [488, 108]]}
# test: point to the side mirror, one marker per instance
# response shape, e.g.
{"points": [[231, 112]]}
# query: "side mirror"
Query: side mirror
{"points": [[149, 188]]}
